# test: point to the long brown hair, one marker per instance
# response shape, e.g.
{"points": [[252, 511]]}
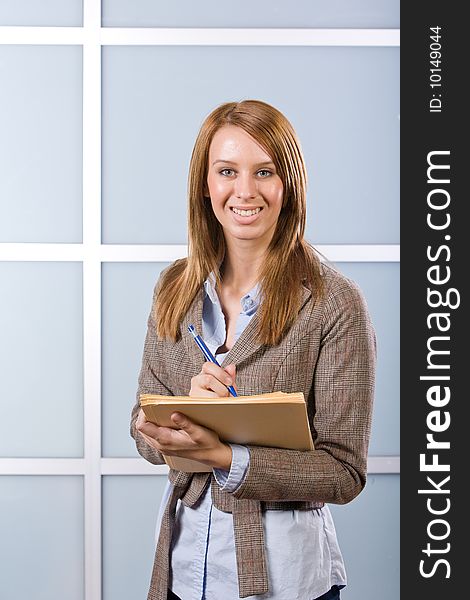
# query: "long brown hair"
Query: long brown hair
{"points": [[290, 260]]}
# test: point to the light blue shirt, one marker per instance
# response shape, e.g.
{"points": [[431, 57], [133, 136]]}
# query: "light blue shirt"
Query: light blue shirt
{"points": [[303, 556]]}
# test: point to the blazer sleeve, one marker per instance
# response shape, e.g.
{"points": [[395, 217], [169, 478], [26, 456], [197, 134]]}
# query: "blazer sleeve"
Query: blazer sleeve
{"points": [[148, 383], [343, 390]]}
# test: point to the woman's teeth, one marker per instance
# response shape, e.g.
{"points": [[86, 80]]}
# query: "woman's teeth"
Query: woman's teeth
{"points": [[246, 213]]}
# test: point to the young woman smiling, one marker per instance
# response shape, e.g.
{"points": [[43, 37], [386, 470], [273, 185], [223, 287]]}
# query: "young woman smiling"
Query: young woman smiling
{"points": [[277, 319]]}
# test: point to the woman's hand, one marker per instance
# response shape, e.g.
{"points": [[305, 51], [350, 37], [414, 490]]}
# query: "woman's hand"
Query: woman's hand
{"points": [[211, 382], [187, 441]]}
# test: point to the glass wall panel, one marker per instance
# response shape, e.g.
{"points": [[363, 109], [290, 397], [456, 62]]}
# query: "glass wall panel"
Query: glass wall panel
{"points": [[130, 510], [380, 283], [343, 102], [41, 143], [41, 358], [47, 12], [41, 548], [369, 535], [127, 298], [249, 13]]}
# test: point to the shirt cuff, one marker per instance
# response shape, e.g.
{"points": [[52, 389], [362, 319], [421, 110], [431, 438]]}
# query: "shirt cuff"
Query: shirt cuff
{"points": [[229, 481]]}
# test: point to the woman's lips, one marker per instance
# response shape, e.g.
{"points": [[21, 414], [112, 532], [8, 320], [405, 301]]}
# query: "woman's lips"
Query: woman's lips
{"points": [[245, 215], [245, 212]]}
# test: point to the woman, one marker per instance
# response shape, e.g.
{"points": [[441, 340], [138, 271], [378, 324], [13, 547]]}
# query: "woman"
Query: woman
{"points": [[278, 320]]}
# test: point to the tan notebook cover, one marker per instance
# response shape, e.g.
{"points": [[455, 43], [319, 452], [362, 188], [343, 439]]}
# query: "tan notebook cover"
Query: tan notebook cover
{"points": [[277, 420]]}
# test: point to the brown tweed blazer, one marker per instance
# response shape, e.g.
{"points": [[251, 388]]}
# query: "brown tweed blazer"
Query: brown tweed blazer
{"points": [[329, 355]]}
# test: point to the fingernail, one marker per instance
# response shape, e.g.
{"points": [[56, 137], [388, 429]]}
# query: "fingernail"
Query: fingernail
{"points": [[228, 382]]}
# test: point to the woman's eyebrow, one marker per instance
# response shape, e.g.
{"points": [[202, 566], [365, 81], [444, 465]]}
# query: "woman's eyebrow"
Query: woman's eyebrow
{"points": [[221, 160], [231, 162]]}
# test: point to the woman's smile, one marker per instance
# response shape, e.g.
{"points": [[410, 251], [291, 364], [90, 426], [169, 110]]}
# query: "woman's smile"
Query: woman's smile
{"points": [[246, 212], [245, 216]]}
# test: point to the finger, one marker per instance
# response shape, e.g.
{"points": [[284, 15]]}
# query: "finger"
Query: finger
{"points": [[141, 419], [150, 429], [205, 385], [221, 374], [150, 440]]}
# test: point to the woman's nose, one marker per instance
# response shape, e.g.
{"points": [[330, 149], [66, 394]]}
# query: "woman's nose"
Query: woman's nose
{"points": [[245, 187]]}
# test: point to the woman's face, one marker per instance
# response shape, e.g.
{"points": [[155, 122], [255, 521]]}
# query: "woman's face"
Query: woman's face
{"points": [[245, 191]]}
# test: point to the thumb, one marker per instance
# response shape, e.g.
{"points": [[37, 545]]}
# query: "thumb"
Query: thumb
{"points": [[231, 369], [182, 421]]}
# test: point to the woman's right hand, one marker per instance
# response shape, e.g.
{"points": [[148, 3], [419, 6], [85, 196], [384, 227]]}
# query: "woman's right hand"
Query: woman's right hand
{"points": [[211, 382]]}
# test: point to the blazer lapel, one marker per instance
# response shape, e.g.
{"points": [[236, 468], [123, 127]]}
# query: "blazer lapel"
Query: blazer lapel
{"points": [[243, 347], [305, 295], [247, 343]]}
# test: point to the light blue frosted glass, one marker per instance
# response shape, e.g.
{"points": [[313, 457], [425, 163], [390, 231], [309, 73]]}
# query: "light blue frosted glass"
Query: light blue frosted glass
{"points": [[41, 364], [41, 540], [368, 531], [130, 509], [127, 298], [46, 12], [252, 13], [380, 284], [41, 143], [343, 102]]}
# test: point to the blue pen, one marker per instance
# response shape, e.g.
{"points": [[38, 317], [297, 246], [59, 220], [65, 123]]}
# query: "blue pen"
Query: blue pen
{"points": [[207, 353]]}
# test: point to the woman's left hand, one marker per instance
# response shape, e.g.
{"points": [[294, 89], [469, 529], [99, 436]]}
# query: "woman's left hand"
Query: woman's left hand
{"points": [[187, 441]]}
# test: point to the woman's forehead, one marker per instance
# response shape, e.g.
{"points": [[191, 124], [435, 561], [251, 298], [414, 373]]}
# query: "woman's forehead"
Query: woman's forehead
{"points": [[230, 142]]}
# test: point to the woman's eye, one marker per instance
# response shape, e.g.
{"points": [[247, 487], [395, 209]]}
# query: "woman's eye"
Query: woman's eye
{"points": [[226, 172], [264, 173]]}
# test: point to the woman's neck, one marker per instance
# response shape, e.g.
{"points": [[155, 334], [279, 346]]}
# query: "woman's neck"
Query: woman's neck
{"points": [[242, 268]]}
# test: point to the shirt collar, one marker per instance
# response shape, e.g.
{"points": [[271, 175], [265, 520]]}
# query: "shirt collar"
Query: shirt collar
{"points": [[248, 303], [209, 288]]}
